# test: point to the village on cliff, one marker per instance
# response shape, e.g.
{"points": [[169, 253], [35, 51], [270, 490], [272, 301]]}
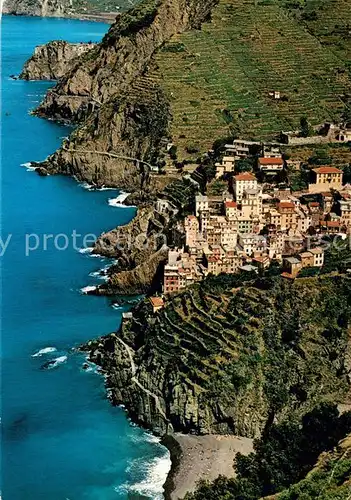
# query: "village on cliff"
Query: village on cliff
{"points": [[250, 224]]}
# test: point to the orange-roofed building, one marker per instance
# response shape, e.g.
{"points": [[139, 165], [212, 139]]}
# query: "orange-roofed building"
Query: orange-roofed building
{"points": [[324, 179], [271, 165], [242, 182], [157, 303], [230, 209], [288, 214]]}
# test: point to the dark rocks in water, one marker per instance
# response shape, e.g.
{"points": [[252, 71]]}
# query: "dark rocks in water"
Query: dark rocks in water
{"points": [[85, 366], [48, 365], [14, 77], [42, 171]]}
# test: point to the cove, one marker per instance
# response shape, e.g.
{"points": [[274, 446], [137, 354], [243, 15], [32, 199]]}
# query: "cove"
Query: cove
{"points": [[61, 439]]}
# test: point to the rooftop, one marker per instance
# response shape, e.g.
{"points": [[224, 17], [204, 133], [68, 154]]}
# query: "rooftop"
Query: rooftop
{"points": [[327, 170], [292, 260], [230, 204], [305, 255], [245, 176], [157, 301], [270, 161], [317, 250], [286, 204]]}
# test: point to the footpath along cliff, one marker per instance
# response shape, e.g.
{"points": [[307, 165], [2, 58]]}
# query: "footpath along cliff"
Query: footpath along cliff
{"points": [[232, 355]]}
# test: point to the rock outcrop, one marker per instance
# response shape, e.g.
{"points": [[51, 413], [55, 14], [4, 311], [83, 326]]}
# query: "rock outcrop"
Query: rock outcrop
{"points": [[122, 56], [52, 60], [61, 8], [141, 249], [118, 142], [140, 279], [43, 8], [228, 356]]}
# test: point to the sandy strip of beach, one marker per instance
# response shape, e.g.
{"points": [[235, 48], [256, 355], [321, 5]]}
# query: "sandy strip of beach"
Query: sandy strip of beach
{"points": [[204, 457]]}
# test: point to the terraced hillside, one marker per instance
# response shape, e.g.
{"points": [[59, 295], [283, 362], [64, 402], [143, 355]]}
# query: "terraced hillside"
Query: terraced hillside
{"points": [[227, 358], [219, 78], [329, 21]]}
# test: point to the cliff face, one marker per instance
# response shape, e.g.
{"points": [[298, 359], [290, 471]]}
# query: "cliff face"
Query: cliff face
{"points": [[141, 249], [52, 60], [43, 8], [224, 359], [105, 149], [122, 56]]}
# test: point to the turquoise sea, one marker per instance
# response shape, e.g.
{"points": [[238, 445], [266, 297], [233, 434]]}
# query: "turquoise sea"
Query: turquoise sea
{"points": [[61, 439]]}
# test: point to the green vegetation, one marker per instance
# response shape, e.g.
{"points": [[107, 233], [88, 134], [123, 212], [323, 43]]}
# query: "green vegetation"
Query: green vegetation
{"points": [[248, 50], [132, 21], [283, 456], [327, 20], [242, 351], [329, 480]]}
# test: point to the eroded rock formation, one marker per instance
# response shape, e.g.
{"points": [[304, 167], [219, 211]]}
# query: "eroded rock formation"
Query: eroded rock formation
{"points": [[223, 358], [52, 60]]}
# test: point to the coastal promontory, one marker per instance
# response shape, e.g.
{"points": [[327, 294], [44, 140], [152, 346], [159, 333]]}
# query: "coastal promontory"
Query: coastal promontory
{"points": [[52, 60]]}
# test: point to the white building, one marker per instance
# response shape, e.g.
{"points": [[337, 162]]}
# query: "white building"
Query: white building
{"points": [[271, 165], [318, 256], [201, 204], [242, 182]]}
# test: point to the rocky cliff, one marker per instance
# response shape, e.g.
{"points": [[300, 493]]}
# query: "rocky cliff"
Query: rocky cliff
{"points": [[229, 356], [43, 8], [122, 56], [93, 10], [118, 142], [52, 60]]}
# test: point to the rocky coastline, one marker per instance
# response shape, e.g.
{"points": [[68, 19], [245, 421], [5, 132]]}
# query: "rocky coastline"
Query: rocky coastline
{"points": [[52, 60], [56, 8], [213, 361]]}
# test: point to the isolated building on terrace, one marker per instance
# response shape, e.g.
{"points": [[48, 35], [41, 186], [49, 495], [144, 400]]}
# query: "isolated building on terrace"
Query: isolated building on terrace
{"points": [[325, 179]]}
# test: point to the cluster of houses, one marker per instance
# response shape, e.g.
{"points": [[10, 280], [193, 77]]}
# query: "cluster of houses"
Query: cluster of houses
{"points": [[250, 225]]}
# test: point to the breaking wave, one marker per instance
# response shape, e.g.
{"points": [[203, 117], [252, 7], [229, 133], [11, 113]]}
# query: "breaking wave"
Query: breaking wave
{"points": [[118, 202], [54, 363], [45, 350], [28, 166], [156, 474], [89, 288]]}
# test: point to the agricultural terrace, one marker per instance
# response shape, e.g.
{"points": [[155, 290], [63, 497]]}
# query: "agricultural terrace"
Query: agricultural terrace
{"points": [[218, 79]]}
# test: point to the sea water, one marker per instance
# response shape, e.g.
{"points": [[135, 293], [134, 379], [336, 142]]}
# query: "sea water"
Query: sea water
{"points": [[61, 439]]}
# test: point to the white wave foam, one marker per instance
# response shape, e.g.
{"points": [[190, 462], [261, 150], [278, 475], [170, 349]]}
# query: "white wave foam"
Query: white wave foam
{"points": [[89, 288], [118, 202], [105, 188], [45, 350], [100, 275], [92, 187], [117, 307], [28, 166], [152, 485], [86, 250], [86, 185], [55, 362]]}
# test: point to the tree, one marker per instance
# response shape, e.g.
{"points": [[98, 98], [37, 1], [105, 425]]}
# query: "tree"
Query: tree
{"points": [[305, 127]]}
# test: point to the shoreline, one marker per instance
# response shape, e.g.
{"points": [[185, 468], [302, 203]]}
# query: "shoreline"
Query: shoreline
{"points": [[195, 458], [106, 18]]}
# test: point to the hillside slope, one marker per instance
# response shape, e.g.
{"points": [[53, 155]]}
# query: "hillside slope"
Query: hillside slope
{"points": [[213, 64], [99, 10], [226, 358], [329, 480]]}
